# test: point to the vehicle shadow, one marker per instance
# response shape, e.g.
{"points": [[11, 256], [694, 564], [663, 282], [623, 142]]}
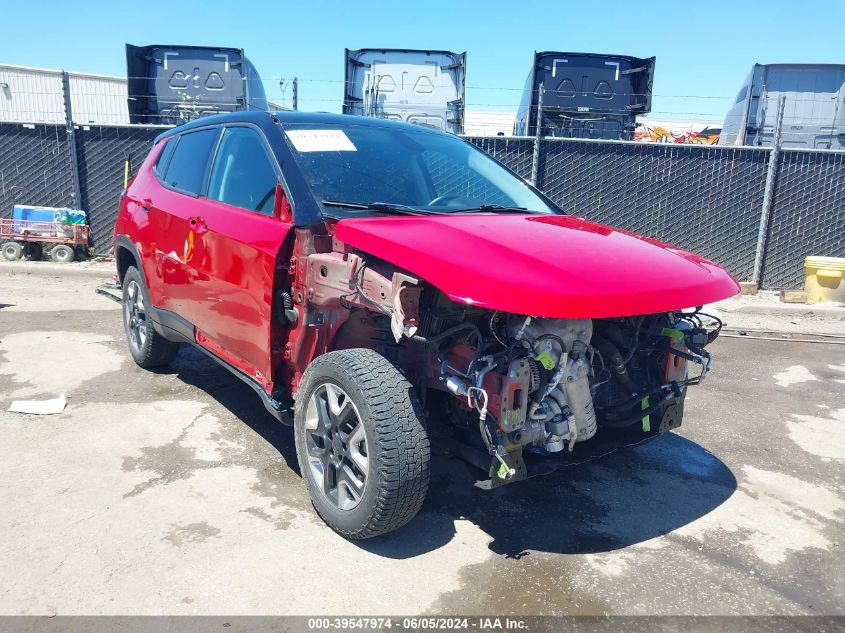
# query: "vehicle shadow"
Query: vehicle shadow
{"points": [[198, 370], [626, 497]]}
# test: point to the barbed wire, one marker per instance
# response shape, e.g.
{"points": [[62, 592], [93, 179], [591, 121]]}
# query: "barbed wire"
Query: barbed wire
{"points": [[827, 99], [210, 105], [273, 80], [469, 127], [88, 113]]}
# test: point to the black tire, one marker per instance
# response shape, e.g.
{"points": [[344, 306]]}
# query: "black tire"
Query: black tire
{"points": [[62, 254], [12, 251], [397, 446], [147, 347]]}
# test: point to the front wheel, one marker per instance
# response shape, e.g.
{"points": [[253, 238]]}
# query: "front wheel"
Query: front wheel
{"points": [[361, 443], [12, 251]]}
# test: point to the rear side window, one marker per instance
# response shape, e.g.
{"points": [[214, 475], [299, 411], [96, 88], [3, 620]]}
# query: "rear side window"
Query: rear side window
{"points": [[188, 164], [243, 173], [164, 157]]}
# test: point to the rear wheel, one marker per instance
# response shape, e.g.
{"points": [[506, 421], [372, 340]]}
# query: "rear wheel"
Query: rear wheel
{"points": [[147, 347], [12, 251], [62, 254], [361, 443]]}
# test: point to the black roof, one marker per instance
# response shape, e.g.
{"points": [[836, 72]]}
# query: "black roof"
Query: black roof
{"points": [[292, 117]]}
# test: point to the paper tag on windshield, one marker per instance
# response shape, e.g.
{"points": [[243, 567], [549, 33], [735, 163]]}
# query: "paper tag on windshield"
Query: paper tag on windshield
{"points": [[320, 141]]}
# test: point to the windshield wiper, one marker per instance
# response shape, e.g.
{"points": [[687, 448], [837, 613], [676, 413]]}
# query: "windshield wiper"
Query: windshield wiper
{"points": [[492, 208], [383, 207]]}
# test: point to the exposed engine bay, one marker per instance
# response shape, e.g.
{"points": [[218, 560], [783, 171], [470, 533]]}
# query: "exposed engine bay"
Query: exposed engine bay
{"points": [[510, 383], [546, 385]]}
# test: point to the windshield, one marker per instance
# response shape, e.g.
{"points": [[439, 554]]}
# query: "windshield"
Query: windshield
{"points": [[419, 170]]}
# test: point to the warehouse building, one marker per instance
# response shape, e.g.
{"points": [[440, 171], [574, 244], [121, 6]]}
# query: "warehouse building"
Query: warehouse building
{"points": [[35, 95], [488, 123]]}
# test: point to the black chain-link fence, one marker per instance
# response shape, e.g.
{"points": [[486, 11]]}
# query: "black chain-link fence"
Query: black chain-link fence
{"points": [[808, 215], [34, 167], [704, 199], [516, 153], [103, 152]]}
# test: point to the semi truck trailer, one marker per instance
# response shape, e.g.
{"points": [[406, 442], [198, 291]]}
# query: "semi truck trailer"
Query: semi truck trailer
{"points": [[174, 84], [814, 107], [585, 95], [414, 86]]}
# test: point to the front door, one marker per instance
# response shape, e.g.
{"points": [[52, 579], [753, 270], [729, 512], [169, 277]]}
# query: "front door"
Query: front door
{"points": [[235, 245]]}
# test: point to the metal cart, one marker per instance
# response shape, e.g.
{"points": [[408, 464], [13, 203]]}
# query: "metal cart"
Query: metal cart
{"points": [[29, 239]]}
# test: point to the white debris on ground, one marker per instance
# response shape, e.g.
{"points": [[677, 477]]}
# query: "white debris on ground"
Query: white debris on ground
{"points": [[39, 407]]}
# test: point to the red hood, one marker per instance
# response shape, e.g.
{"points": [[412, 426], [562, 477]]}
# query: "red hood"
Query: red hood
{"points": [[552, 266]]}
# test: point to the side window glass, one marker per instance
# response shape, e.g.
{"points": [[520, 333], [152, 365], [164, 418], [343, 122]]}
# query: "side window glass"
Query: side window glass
{"points": [[187, 167], [243, 174], [164, 157]]}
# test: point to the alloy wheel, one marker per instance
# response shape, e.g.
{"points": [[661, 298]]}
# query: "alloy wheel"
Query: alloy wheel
{"points": [[336, 442], [135, 315]]}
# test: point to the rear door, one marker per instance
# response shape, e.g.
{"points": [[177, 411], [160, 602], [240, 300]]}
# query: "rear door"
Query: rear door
{"points": [[181, 172], [234, 252]]}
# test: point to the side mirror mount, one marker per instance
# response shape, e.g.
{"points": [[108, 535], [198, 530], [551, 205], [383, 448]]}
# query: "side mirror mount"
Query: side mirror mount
{"points": [[282, 208]]}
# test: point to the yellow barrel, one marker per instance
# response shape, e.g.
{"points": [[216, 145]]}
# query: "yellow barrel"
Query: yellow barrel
{"points": [[825, 279]]}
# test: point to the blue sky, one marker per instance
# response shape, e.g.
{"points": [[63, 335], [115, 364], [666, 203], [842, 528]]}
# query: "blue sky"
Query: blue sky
{"points": [[703, 50]]}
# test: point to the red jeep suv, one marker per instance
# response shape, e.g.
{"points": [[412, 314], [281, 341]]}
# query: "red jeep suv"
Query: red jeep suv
{"points": [[383, 286]]}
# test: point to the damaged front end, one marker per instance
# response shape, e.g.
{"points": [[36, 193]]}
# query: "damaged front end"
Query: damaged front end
{"points": [[506, 391], [545, 386]]}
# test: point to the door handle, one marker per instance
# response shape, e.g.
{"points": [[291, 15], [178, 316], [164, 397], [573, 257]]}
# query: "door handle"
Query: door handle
{"points": [[197, 225], [143, 203]]}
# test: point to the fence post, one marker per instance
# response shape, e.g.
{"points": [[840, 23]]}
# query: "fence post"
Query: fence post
{"points": [[71, 141], [768, 196], [295, 93], [535, 160]]}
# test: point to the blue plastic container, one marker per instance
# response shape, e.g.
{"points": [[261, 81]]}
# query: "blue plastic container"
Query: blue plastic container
{"points": [[26, 216], [34, 214]]}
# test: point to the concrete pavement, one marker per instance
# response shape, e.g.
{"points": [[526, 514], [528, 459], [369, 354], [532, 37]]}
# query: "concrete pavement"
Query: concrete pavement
{"points": [[175, 493]]}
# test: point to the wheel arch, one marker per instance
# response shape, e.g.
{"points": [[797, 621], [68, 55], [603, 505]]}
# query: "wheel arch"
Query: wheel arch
{"points": [[126, 255]]}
